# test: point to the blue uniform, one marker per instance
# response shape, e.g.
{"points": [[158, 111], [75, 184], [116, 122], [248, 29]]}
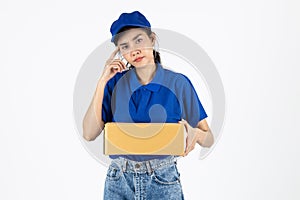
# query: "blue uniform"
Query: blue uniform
{"points": [[168, 98]]}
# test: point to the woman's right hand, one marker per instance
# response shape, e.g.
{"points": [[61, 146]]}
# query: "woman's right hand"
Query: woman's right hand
{"points": [[112, 66]]}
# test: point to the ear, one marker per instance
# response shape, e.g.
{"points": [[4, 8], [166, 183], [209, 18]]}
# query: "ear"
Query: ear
{"points": [[153, 38]]}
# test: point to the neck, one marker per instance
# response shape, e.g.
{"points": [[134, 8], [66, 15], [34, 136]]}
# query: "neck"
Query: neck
{"points": [[146, 74]]}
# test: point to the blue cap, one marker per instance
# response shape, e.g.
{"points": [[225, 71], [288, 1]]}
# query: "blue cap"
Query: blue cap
{"points": [[128, 19]]}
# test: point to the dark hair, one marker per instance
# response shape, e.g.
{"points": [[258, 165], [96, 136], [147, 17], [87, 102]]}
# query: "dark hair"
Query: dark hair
{"points": [[148, 31]]}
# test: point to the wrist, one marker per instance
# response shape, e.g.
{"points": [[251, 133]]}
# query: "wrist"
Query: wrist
{"points": [[102, 82]]}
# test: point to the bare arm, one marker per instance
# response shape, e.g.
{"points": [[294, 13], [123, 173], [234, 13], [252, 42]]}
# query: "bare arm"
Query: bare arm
{"points": [[92, 122], [200, 134], [206, 138]]}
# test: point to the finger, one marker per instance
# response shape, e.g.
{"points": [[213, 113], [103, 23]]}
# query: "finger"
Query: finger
{"points": [[116, 67], [190, 144], [189, 149], [181, 121], [122, 63], [193, 144], [115, 64], [119, 63], [187, 144], [186, 152], [185, 125]]}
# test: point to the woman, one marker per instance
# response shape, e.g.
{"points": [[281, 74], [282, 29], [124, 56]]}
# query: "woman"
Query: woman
{"points": [[146, 84]]}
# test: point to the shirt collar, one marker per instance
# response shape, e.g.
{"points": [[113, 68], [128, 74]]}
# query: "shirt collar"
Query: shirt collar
{"points": [[154, 85]]}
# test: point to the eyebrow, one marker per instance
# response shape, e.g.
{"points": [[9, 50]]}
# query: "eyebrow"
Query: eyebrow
{"points": [[132, 39]]}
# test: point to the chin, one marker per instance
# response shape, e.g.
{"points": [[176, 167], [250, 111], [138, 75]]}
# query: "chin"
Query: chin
{"points": [[142, 65], [139, 65]]}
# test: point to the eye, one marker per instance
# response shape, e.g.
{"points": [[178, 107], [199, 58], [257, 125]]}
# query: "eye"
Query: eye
{"points": [[139, 40], [124, 47]]}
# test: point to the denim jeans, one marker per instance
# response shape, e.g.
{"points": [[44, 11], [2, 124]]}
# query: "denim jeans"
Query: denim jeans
{"points": [[154, 179]]}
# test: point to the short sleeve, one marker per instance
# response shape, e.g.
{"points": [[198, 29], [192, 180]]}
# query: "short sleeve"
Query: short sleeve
{"points": [[106, 104], [191, 107]]}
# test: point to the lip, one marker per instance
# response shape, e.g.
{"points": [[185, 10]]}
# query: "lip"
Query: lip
{"points": [[138, 59]]}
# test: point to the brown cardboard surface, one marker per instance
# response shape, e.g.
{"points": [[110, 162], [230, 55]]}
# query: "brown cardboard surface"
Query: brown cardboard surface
{"points": [[144, 138]]}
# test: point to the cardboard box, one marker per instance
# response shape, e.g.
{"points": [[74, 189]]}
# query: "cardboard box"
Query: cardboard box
{"points": [[144, 138]]}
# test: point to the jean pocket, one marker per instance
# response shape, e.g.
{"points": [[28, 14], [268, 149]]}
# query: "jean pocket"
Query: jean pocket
{"points": [[167, 175], [113, 173]]}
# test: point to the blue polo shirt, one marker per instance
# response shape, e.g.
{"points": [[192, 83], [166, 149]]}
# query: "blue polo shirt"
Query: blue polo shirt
{"points": [[168, 98]]}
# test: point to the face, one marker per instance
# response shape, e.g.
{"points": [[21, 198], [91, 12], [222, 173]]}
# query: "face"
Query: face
{"points": [[137, 47]]}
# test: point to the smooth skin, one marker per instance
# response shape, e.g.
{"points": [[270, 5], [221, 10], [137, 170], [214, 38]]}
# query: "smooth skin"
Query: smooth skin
{"points": [[134, 44]]}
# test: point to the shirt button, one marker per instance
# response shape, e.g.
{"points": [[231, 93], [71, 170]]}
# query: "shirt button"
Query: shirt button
{"points": [[137, 165]]}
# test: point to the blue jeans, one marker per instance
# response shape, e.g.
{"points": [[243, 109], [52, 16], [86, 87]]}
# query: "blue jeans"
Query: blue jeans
{"points": [[154, 179]]}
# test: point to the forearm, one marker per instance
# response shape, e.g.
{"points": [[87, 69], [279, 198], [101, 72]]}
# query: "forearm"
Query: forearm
{"points": [[92, 122], [206, 138]]}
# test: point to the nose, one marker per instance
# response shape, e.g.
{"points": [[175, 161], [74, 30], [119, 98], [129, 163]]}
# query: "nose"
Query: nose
{"points": [[135, 52]]}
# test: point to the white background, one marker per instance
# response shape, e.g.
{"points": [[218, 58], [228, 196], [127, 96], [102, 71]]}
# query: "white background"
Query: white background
{"points": [[255, 46]]}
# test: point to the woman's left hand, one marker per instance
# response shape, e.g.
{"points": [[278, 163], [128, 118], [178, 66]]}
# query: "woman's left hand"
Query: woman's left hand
{"points": [[193, 134]]}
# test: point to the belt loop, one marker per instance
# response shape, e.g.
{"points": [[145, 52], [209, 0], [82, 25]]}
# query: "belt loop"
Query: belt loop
{"points": [[123, 164], [149, 169]]}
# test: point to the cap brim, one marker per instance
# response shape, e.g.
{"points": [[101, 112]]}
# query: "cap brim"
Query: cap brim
{"points": [[135, 25]]}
